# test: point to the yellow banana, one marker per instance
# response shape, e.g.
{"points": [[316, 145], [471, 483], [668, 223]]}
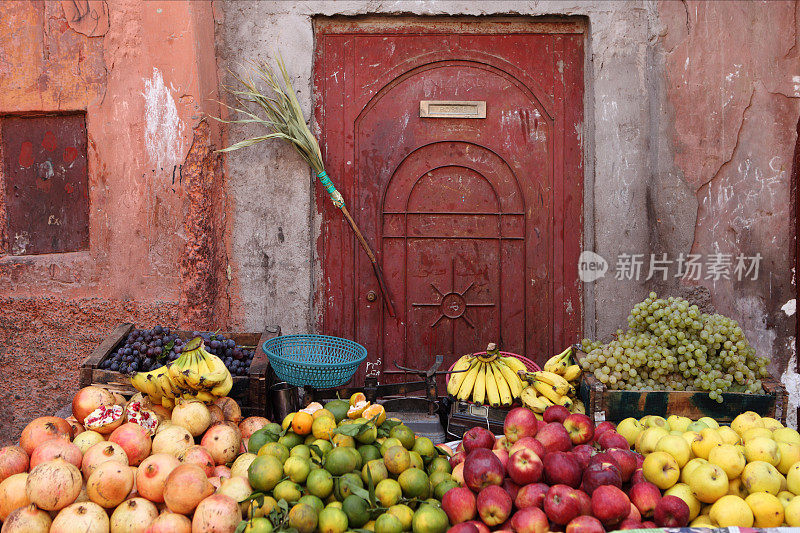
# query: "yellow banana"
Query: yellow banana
{"points": [[502, 386], [217, 371], [528, 395], [566, 401], [492, 392], [222, 389], [558, 363], [479, 390], [491, 353], [538, 404], [547, 390], [514, 364], [465, 390], [560, 385], [578, 407], [205, 397], [168, 403], [457, 378], [512, 378], [572, 373]]}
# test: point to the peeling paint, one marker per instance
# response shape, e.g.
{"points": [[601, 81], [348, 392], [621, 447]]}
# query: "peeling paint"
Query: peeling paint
{"points": [[163, 134], [791, 380], [790, 307]]}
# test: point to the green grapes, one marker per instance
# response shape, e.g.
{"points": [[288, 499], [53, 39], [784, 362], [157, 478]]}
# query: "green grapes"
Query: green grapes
{"points": [[671, 345]]}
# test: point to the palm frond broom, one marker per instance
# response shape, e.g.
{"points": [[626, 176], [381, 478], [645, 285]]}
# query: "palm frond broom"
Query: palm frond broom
{"points": [[282, 117]]}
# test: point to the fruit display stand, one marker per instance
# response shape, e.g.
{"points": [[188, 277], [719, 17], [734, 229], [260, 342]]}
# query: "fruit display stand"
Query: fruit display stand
{"points": [[467, 415], [249, 391], [603, 403]]}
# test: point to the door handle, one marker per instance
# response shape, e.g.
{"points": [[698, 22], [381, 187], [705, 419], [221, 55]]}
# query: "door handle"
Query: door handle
{"points": [[371, 296]]}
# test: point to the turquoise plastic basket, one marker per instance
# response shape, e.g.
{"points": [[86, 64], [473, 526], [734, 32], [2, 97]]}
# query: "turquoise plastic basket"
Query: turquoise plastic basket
{"points": [[318, 361]]}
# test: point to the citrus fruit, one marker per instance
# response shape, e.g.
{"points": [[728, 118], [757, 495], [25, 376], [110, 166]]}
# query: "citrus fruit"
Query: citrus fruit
{"points": [[258, 524], [434, 478], [397, 460], [416, 460], [357, 511], [323, 427], [388, 492], [301, 423], [323, 445], [303, 518], [301, 450], [375, 410], [368, 434], [370, 526], [335, 504], [377, 469], [440, 464], [357, 398], [403, 513], [404, 434], [356, 456], [425, 448], [322, 413], [339, 461], [357, 410], [320, 483], [263, 509], [297, 469], [291, 439], [369, 452], [313, 501], [441, 489], [342, 441], [433, 501], [260, 438], [338, 408], [287, 490], [387, 523], [309, 438], [345, 485], [275, 449], [332, 520], [287, 421], [389, 443], [265, 472], [429, 519], [414, 483], [312, 408]]}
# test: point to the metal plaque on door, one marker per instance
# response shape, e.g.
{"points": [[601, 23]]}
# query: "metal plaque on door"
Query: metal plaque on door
{"points": [[452, 109]]}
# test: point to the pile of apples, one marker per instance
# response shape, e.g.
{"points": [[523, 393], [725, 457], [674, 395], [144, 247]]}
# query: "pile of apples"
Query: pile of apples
{"points": [[746, 474], [560, 473]]}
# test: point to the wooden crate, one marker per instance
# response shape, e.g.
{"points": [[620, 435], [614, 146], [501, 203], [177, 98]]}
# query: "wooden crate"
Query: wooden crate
{"points": [[251, 391], [466, 415]]}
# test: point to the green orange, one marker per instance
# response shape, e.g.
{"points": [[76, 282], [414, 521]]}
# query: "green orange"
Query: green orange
{"points": [[357, 511], [332, 520], [429, 519], [340, 461], [387, 523], [377, 469], [397, 460], [414, 483], [303, 517], [320, 483], [403, 513], [388, 492], [265, 472], [404, 434]]}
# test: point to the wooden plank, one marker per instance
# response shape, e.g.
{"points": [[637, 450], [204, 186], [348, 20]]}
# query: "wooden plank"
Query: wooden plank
{"points": [[102, 350]]}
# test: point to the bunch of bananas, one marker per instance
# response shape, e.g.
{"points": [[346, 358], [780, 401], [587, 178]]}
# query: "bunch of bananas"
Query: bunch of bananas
{"points": [[555, 385], [195, 375], [487, 378]]}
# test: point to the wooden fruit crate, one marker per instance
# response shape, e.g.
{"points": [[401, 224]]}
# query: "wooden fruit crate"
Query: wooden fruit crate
{"points": [[603, 403], [251, 391], [466, 415]]}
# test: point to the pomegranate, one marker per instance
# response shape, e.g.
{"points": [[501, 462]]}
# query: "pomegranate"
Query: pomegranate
{"points": [[242, 464], [43, 428], [222, 471], [161, 412], [77, 427], [164, 425], [173, 440], [230, 409], [223, 442], [56, 447], [134, 439], [82, 497], [109, 484], [134, 470], [168, 522], [87, 439], [243, 448], [86, 517], [27, 519], [53, 485], [197, 455], [13, 460], [192, 415], [152, 474], [146, 418], [133, 516], [217, 416], [100, 453], [119, 399], [88, 399], [12, 494], [215, 481], [216, 514], [105, 419], [186, 486], [237, 488], [251, 424]]}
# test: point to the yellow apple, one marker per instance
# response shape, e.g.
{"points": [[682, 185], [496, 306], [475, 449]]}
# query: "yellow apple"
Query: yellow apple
{"points": [[767, 509], [684, 492], [727, 457], [760, 476], [709, 483], [762, 449], [745, 421], [710, 422], [709, 438], [661, 469], [790, 454], [691, 436], [792, 512], [771, 424], [704, 521], [786, 435], [728, 435], [752, 433], [654, 421], [647, 439], [696, 426], [676, 447], [731, 511], [678, 422], [793, 479], [678, 433], [785, 497], [737, 488], [630, 428], [690, 466]]}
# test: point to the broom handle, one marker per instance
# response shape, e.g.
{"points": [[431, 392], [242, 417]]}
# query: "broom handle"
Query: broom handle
{"points": [[338, 201]]}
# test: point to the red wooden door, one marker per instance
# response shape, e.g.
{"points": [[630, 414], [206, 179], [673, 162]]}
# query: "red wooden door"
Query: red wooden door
{"points": [[477, 222]]}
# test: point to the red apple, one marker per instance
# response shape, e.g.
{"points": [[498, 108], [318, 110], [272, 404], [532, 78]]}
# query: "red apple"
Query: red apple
{"points": [[478, 437], [585, 524], [457, 458], [634, 514], [637, 477], [610, 505], [645, 496], [480, 525], [580, 428], [530, 520], [460, 447], [599, 474], [626, 461], [639, 460], [671, 511], [501, 444], [586, 502], [464, 527], [494, 505], [531, 495], [629, 523], [527, 443], [583, 453], [459, 504], [561, 504], [554, 438], [511, 488], [562, 468], [482, 468], [520, 422], [503, 456], [602, 427], [458, 474], [525, 467], [555, 413], [648, 524], [612, 439]]}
